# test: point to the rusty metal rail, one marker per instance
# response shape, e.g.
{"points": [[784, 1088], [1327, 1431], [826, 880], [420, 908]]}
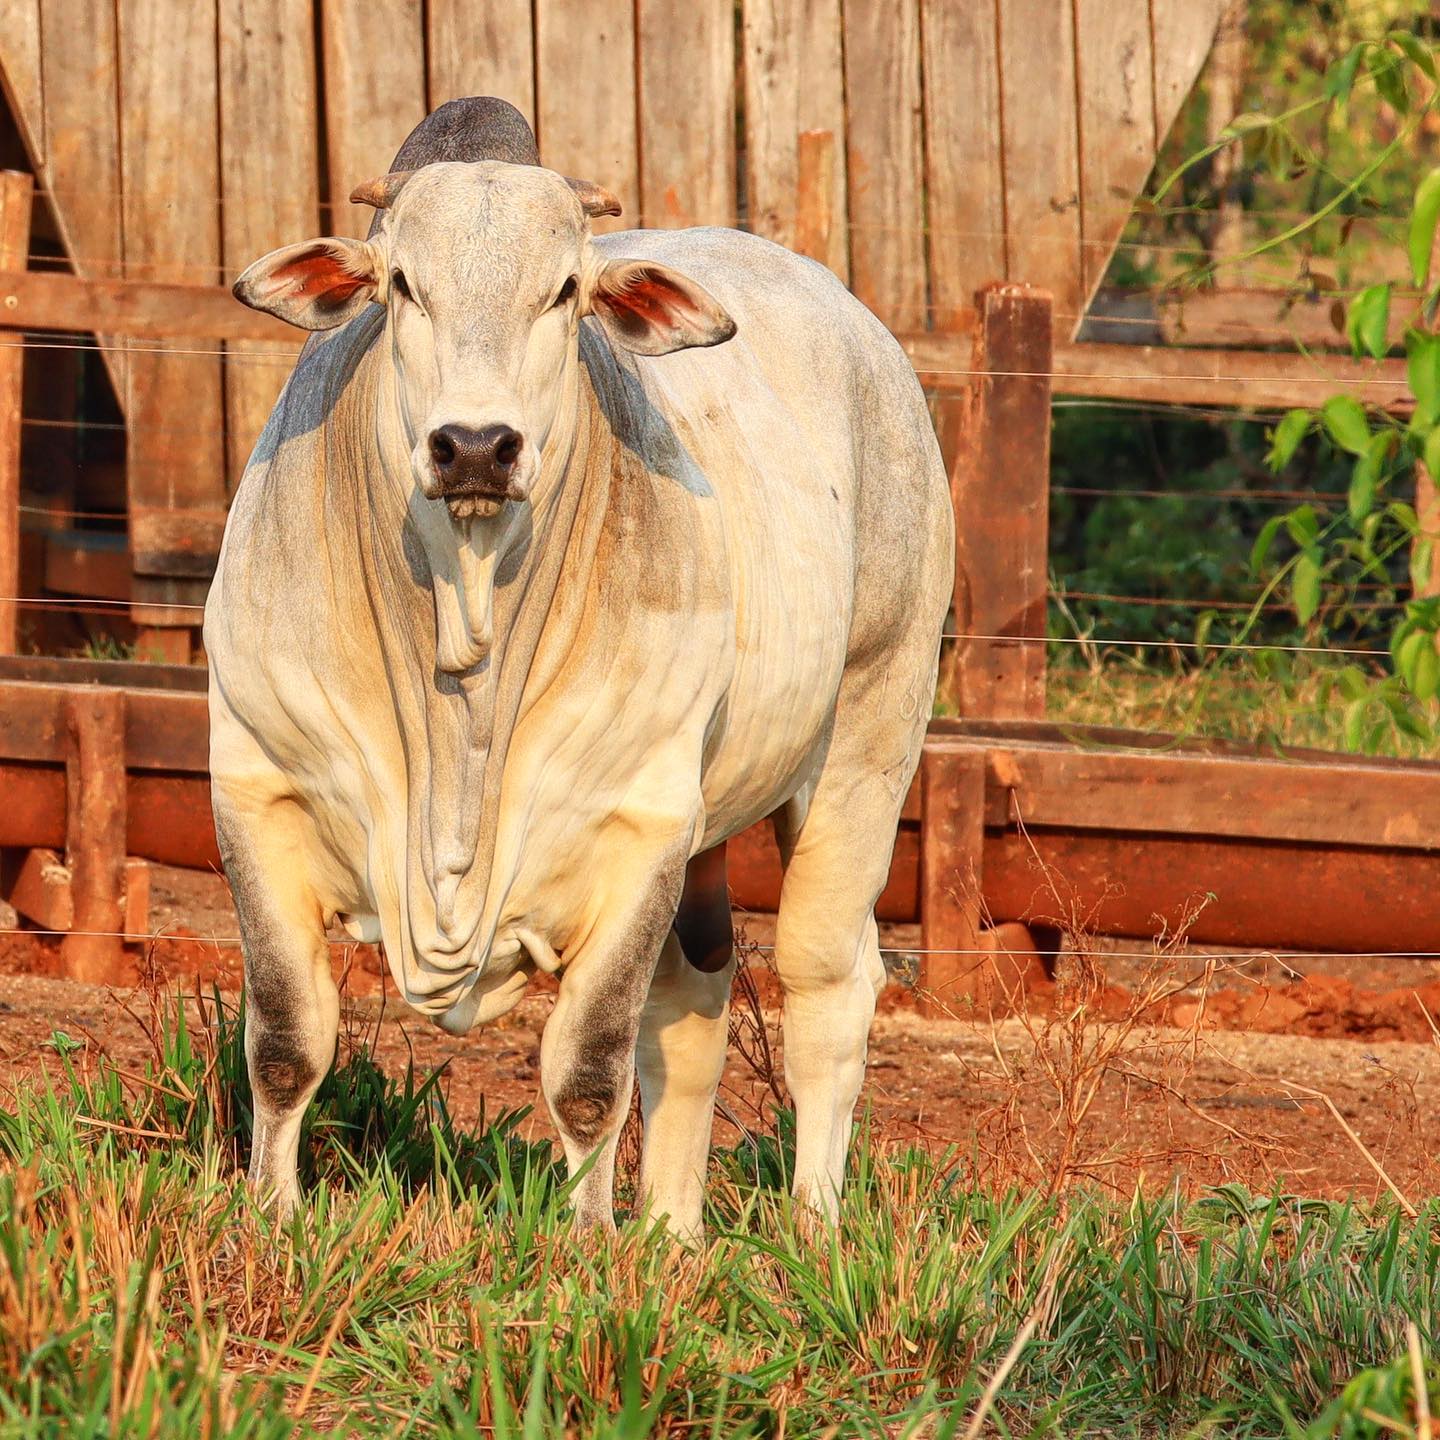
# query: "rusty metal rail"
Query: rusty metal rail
{"points": [[1009, 821]]}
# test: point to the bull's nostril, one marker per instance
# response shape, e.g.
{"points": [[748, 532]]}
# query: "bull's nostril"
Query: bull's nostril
{"points": [[442, 450], [507, 452]]}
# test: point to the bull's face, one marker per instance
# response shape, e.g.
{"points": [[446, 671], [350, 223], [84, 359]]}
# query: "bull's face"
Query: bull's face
{"points": [[485, 271]]}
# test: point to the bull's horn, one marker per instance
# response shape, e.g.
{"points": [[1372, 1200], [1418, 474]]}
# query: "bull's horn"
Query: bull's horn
{"points": [[594, 199], [381, 191]]}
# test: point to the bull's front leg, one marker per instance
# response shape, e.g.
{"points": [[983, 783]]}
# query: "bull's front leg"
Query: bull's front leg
{"points": [[292, 1005], [587, 1053]]}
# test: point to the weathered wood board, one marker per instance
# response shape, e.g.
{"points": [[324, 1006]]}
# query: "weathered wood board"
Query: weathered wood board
{"points": [[1042, 163], [374, 96], [794, 82], [481, 49], [1116, 124], [887, 207], [1183, 32], [169, 94], [20, 69], [585, 53], [687, 113], [269, 179], [964, 162], [80, 166]]}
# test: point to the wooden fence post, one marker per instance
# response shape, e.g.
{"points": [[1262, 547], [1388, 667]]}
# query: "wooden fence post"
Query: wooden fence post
{"points": [[1000, 487], [95, 814], [1001, 493], [16, 195], [952, 842]]}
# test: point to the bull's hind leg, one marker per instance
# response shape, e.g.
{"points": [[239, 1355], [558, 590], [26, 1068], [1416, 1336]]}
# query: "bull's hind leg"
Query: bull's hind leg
{"points": [[292, 1006], [837, 850], [680, 1058]]}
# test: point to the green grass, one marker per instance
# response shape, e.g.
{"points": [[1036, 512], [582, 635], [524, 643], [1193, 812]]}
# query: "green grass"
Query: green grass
{"points": [[1267, 698], [431, 1286]]}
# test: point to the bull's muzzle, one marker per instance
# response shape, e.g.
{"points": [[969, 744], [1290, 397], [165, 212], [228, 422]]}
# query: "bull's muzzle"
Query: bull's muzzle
{"points": [[477, 468]]}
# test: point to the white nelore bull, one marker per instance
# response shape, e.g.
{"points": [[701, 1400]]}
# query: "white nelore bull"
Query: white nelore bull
{"points": [[561, 560]]}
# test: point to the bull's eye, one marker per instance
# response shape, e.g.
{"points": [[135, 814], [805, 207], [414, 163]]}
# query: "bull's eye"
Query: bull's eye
{"points": [[400, 284], [567, 293]]}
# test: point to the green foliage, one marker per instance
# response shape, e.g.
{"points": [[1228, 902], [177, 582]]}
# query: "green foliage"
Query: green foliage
{"points": [[1423, 218], [1356, 111], [1189, 545], [1380, 1403], [1368, 321]]}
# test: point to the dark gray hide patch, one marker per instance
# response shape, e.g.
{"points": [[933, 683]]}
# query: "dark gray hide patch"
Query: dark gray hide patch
{"points": [[478, 127]]}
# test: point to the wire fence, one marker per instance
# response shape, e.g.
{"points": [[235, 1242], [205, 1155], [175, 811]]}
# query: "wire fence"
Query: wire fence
{"points": [[1230, 956], [62, 603], [1398, 385], [223, 270]]}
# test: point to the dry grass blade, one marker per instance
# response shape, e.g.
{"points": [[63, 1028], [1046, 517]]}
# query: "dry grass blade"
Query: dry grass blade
{"points": [[1410, 1211], [1010, 1359], [139, 1132], [342, 1313]]}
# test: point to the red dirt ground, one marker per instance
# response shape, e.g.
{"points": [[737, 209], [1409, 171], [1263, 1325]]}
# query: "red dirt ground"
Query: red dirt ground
{"points": [[1208, 1086]]}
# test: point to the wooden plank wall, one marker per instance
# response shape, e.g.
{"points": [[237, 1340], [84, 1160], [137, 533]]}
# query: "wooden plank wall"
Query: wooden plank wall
{"points": [[976, 140], [170, 227]]}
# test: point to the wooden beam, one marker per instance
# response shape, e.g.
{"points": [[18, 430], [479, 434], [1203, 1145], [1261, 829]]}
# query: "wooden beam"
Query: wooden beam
{"points": [[142, 310], [1238, 379], [1060, 785], [164, 729], [1263, 317], [137, 309], [1251, 894], [16, 195]]}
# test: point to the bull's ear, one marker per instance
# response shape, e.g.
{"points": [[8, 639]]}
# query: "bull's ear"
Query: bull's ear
{"points": [[316, 285], [652, 309]]}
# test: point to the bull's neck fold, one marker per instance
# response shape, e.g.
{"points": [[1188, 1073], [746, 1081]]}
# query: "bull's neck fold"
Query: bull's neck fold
{"points": [[464, 624]]}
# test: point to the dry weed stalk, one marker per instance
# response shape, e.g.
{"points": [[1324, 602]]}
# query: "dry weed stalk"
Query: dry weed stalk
{"points": [[1088, 1038], [754, 1038]]}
